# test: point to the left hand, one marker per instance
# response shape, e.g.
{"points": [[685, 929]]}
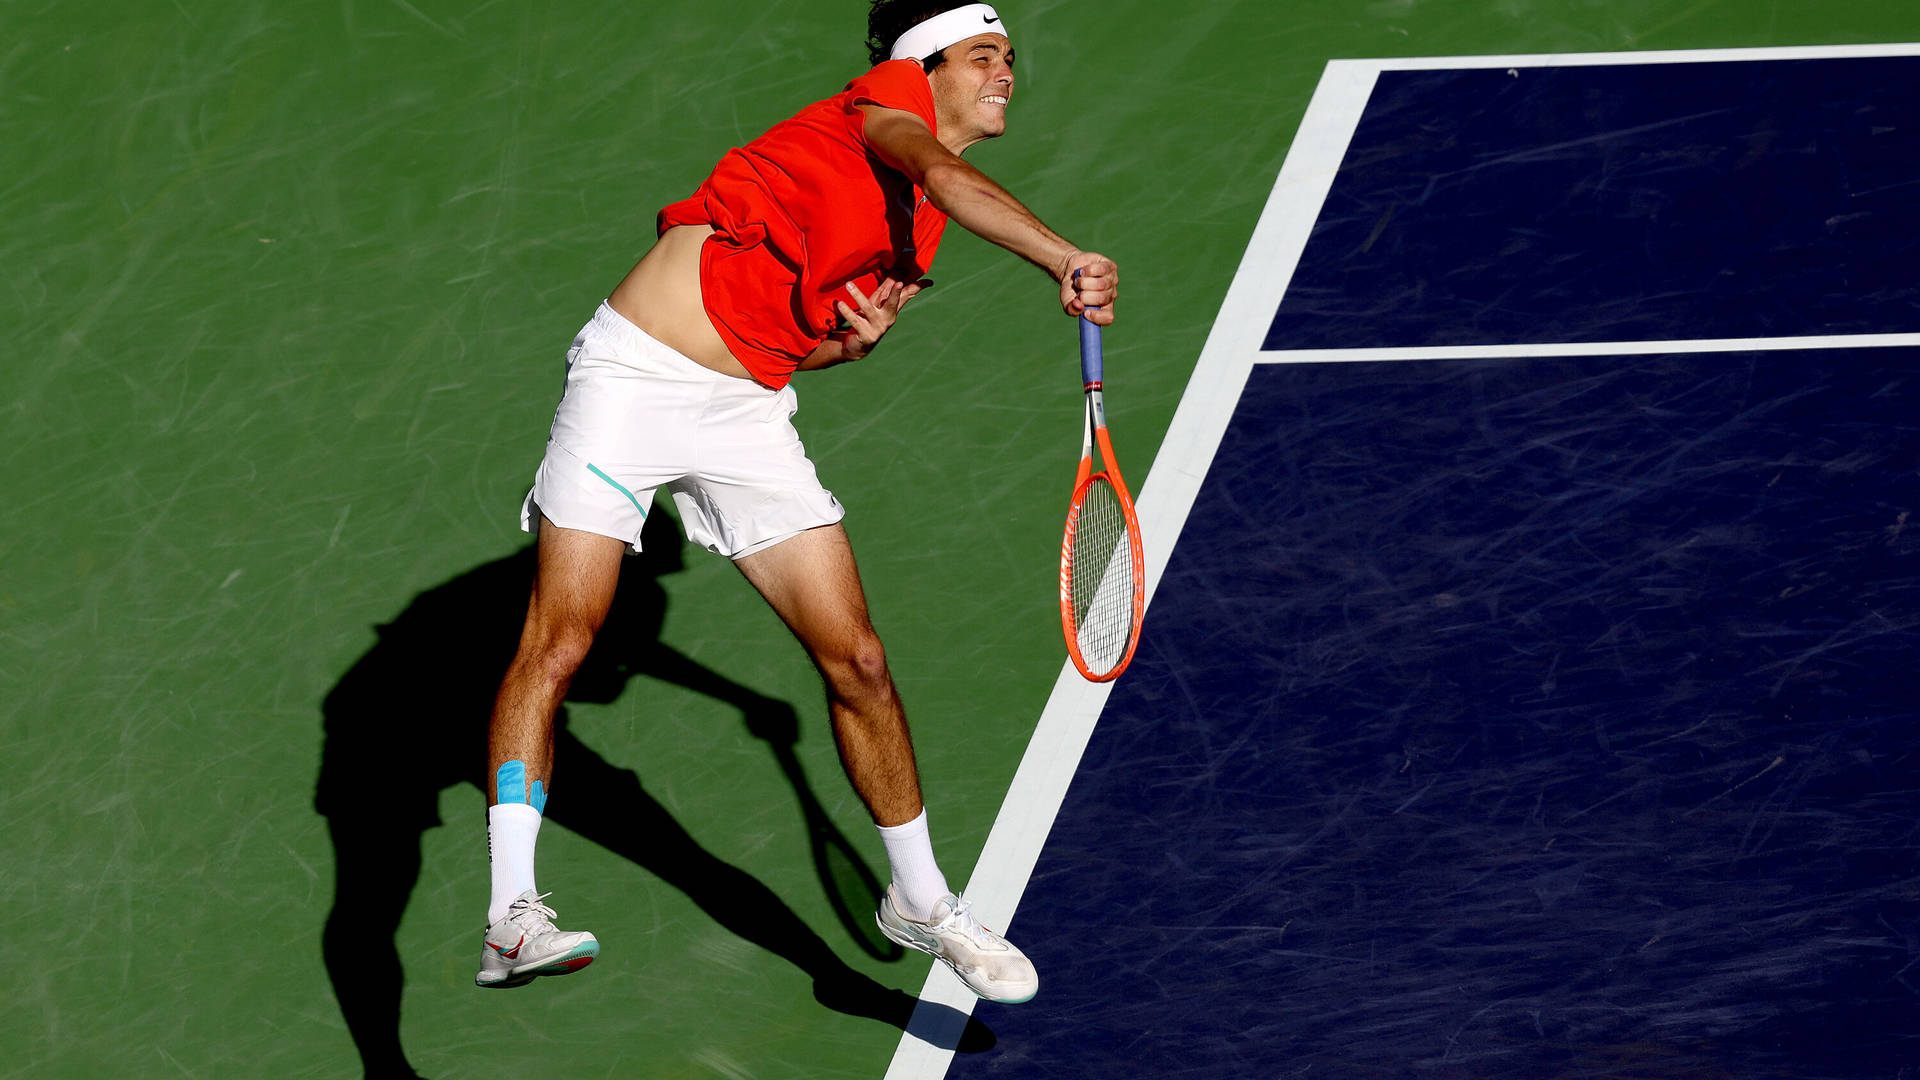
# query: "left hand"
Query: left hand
{"points": [[876, 314]]}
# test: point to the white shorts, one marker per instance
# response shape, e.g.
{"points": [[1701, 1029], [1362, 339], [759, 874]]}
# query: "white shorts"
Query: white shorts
{"points": [[637, 415]]}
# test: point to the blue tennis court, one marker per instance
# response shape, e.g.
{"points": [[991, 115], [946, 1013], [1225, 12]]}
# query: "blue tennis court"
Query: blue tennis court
{"points": [[1527, 692]]}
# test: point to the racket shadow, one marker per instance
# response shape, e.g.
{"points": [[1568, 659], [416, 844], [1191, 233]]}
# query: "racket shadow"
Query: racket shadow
{"points": [[419, 697], [850, 884]]}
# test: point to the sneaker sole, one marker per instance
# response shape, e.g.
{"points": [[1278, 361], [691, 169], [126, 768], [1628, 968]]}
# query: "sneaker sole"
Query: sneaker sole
{"points": [[899, 937], [565, 964]]}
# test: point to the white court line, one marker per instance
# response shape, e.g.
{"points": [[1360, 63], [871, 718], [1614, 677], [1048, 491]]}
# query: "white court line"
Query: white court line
{"points": [[1674, 56], [1232, 349], [1579, 348]]}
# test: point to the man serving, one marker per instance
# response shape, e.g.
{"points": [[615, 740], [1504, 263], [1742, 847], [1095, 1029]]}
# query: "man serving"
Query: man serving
{"points": [[797, 252]]}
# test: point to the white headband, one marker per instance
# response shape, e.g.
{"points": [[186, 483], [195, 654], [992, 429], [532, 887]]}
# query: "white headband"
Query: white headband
{"points": [[946, 28]]}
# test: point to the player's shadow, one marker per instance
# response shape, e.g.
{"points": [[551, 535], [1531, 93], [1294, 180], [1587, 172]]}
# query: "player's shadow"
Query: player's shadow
{"points": [[409, 720]]}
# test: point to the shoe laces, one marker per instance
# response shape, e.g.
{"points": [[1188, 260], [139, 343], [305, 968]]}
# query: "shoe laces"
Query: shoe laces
{"points": [[960, 917], [522, 909]]}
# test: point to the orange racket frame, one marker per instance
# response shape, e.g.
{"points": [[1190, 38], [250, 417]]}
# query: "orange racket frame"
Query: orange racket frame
{"points": [[1095, 434]]}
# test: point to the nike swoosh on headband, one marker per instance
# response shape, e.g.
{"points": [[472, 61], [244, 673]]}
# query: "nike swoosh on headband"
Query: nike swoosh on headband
{"points": [[932, 35]]}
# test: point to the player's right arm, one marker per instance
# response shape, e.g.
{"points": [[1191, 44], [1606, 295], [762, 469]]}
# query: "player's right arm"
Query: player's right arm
{"points": [[984, 208]]}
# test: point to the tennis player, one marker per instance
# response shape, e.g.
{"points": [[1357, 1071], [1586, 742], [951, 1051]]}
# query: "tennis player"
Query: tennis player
{"points": [[797, 252]]}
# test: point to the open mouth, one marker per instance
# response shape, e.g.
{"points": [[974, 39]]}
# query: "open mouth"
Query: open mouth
{"points": [[994, 99]]}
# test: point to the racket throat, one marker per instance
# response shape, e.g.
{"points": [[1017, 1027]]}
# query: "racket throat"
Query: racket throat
{"points": [[1096, 406]]}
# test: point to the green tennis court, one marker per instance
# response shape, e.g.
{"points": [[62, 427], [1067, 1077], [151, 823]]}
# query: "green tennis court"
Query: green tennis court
{"points": [[287, 289]]}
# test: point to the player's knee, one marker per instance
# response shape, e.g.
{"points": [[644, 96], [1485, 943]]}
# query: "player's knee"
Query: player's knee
{"points": [[859, 667], [553, 654]]}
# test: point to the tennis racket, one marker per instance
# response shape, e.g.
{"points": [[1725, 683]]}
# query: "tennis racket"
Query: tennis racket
{"points": [[1103, 576]]}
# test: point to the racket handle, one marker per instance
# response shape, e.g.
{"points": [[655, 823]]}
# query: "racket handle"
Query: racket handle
{"points": [[1090, 363]]}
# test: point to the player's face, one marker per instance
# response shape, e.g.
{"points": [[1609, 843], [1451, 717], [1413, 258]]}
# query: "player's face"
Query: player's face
{"points": [[971, 90]]}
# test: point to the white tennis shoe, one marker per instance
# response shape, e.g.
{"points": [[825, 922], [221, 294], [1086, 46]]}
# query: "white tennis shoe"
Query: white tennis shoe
{"points": [[524, 945], [986, 962]]}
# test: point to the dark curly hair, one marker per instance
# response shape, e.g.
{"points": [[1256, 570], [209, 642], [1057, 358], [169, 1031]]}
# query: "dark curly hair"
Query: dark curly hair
{"points": [[888, 19]]}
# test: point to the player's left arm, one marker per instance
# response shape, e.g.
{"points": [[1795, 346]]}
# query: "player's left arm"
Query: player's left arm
{"points": [[866, 324]]}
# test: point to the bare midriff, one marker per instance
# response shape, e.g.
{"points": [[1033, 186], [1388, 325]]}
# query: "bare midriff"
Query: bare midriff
{"points": [[661, 295]]}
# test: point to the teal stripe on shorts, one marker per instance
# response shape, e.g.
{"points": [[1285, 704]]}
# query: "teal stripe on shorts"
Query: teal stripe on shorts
{"points": [[595, 470]]}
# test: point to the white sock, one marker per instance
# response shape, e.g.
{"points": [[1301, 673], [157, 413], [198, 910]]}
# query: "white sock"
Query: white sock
{"points": [[917, 880], [511, 831]]}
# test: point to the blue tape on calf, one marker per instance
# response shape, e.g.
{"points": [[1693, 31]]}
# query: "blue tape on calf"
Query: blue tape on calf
{"points": [[510, 784], [538, 797]]}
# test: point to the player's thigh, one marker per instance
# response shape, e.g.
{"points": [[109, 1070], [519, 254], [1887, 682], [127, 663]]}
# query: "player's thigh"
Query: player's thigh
{"points": [[812, 582], [574, 584]]}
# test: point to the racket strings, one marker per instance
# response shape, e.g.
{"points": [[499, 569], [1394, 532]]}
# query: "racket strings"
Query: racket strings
{"points": [[1101, 578]]}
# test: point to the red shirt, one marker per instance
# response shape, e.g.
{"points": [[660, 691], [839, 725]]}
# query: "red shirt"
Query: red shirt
{"points": [[801, 211]]}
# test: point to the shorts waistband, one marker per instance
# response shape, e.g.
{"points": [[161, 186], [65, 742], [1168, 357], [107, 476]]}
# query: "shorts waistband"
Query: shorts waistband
{"points": [[611, 324]]}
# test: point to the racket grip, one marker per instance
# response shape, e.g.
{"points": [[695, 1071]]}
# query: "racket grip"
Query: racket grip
{"points": [[1090, 360]]}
